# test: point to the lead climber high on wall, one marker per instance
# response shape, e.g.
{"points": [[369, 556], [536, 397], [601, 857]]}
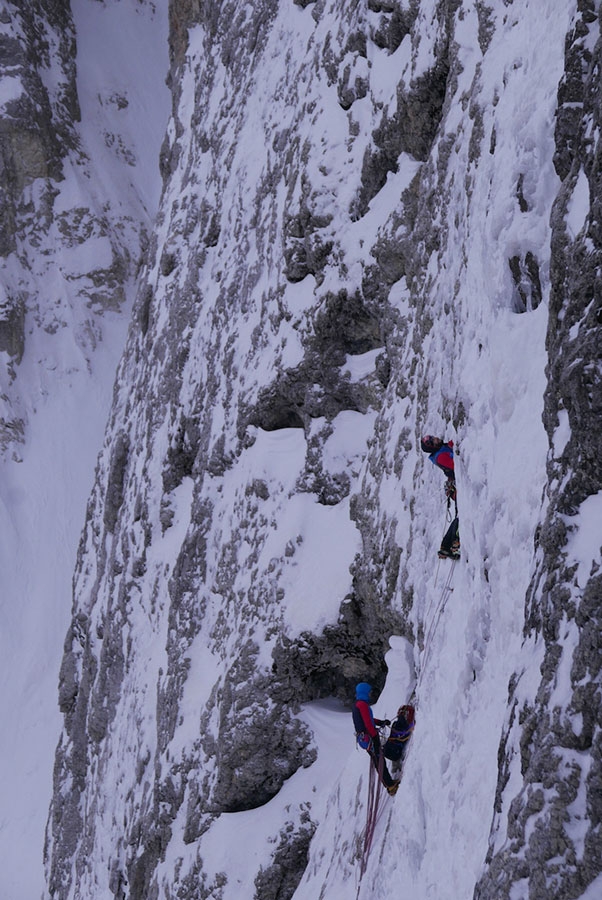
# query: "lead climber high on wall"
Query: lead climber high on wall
{"points": [[441, 454]]}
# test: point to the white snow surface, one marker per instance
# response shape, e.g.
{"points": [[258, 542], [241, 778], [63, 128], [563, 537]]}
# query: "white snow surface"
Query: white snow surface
{"points": [[432, 840]]}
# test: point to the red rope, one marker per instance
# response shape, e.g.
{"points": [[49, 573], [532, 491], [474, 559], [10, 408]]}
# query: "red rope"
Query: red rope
{"points": [[374, 811]]}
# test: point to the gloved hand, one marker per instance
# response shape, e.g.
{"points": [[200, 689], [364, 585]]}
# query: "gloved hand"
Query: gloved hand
{"points": [[450, 489]]}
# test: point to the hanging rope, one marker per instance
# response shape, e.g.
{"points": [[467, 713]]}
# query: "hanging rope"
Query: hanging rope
{"points": [[375, 808], [441, 601]]}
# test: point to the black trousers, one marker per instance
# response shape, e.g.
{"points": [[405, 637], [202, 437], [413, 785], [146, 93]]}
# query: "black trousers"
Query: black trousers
{"points": [[378, 760], [395, 750], [451, 535]]}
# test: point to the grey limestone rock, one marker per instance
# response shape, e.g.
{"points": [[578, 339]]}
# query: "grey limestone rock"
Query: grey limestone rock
{"points": [[12, 327], [36, 129], [280, 880]]}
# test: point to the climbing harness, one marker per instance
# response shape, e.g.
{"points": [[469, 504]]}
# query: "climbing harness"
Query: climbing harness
{"points": [[363, 739], [400, 737]]}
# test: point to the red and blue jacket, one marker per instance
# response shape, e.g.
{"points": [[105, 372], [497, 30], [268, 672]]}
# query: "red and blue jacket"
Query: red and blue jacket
{"points": [[443, 458], [365, 724]]}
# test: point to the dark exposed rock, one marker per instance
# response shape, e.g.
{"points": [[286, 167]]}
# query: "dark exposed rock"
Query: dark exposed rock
{"points": [[225, 26], [141, 868], [307, 245], [144, 305], [486, 24], [569, 116], [260, 745], [182, 453], [411, 129], [36, 129], [115, 486], [343, 325], [78, 670], [520, 195], [168, 263], [306, 393], [12, 328], [395, 24], [525, 273], [279, 880], [349, 91], [331, 664]]}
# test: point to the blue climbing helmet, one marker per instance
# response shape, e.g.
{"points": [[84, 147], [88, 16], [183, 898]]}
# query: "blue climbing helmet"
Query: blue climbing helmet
{"points": [[363, 691]]}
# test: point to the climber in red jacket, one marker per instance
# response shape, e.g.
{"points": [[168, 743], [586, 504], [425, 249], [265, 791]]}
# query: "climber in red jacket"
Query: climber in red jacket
{"points": [[367, 736], [441, 454]]}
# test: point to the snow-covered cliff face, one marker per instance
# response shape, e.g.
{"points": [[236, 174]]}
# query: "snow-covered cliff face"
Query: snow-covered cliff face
{"points": [[81, 126], [372, 216], [546, 830]]}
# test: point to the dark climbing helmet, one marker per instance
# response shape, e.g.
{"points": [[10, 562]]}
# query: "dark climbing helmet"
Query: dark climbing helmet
{"points": [[429, 443], [407, 711]]}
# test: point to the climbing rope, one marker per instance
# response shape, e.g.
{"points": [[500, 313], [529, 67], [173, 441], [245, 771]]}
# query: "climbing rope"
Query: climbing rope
{"points": [[440, 606], [374, 810]]}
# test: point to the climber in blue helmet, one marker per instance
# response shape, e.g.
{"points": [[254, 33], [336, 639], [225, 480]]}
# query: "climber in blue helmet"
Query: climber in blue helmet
{"points": [[367, 736]]}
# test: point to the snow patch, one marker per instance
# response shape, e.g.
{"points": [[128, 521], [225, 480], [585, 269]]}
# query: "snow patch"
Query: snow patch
{"points": [[585, 542], [11, 88], [578, 205]]}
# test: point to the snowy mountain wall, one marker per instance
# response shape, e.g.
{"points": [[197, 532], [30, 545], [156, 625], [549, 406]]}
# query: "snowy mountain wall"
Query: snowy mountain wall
{"points": [[377, 220], [79, 184]]}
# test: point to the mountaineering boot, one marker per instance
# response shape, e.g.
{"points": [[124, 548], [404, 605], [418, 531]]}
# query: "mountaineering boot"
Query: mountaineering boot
{"points": [[392, 789], [449, 554]]}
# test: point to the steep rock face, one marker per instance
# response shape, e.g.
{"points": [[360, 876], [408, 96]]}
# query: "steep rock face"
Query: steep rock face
{"points": [[545, 839], [190, 651], [323, 274], [478, 238]]}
